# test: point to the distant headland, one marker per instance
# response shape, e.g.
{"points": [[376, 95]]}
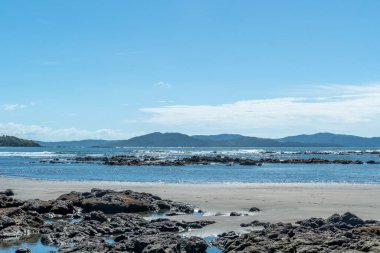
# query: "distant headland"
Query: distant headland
{"points": [[11, 141], [222, 140]]}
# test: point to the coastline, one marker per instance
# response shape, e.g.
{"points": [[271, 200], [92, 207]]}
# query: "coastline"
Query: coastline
{"points": [[278, 202]]}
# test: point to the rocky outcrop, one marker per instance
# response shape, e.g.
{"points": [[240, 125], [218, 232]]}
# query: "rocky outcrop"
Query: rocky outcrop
{"points": [[112, 202], [56, 207], [338, 233], [131, 233], [103, 214], [11, 141], [115, 231], [123, 160], [16, 223], [7, 201]]}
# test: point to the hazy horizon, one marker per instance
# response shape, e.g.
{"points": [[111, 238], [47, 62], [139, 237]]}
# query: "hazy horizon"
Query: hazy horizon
{"points": [[198, 135]]}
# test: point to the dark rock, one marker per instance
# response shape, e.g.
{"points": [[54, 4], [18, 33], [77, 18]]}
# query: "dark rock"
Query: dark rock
{"points": [[37, 205], [7, 201], [16, 232], [111, 202], [62, 207], [352, 219], [96, 216], [248, 163], [123, 160], [163, 205], [235, 214], [8, 192], [254, 209], [114, 204], [5, 221], [131, 232], [165, 243], [345, 221], [198, 224], [181, 207], [256, 224], [338, 233], [23, 250], [74, 197], [313, 222], [25, 218], [173, 214]]}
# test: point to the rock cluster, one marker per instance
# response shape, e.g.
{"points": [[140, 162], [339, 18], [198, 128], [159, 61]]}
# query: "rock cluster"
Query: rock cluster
{"points": [[130, 233], [111, 202], [203, 160], [338, 233], [102, 215]]}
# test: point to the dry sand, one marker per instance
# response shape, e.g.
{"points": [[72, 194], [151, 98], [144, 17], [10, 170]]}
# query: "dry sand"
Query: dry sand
{"points": [[278, 202]]}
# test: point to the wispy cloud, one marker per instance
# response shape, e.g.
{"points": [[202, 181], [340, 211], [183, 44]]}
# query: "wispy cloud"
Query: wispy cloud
{"points": [[163, 84], [12, 107], [38, 132], [349, 106]]}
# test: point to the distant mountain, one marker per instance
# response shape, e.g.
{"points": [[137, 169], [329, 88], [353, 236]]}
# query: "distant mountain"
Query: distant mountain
{"points": [[183, 140], [162, 140], [11, 141], [225, 140], [340, 140], [218, 137], [82, 143]]}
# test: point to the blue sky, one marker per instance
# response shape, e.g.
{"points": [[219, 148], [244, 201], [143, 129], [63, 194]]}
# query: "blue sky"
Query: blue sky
{"points": [[116, 69]]}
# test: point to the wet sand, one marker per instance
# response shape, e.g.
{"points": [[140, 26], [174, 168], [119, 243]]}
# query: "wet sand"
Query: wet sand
{"points": [[278, 202]]}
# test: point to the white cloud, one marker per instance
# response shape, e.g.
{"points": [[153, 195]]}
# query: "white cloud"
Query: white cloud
{"points": [[163, 84], [37, 132], [12, 107], [348, 109]]}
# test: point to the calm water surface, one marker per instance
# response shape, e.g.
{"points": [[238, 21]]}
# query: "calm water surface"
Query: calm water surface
{"points": [[26, 163]]}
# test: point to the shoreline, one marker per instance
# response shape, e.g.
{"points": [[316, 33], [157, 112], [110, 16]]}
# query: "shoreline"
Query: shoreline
{"points": [[279, 202], [190, 184]]}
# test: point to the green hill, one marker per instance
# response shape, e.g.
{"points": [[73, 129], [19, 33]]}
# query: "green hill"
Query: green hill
{"points": [[339, 140], [182, 140], [11, 141]]}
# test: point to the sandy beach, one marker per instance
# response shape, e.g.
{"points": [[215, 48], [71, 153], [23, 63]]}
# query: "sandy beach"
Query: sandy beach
{"points": [[278, 202]]}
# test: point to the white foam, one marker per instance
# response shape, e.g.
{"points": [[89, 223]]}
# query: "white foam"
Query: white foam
{"points": [[30, 154]]}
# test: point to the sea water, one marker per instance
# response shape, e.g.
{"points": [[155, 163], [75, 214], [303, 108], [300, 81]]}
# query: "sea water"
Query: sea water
{"points": [[33, 243], [39, 163]]}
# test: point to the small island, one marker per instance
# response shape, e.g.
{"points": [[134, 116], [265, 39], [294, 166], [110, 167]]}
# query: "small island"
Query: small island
{"points": [[11, 141]]}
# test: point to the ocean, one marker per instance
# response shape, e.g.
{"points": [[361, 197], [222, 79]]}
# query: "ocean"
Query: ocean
{"points": [[40, 163]]}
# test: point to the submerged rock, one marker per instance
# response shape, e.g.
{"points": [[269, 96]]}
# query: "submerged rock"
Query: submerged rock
{"points": [[123, 160], [23, 250]]}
